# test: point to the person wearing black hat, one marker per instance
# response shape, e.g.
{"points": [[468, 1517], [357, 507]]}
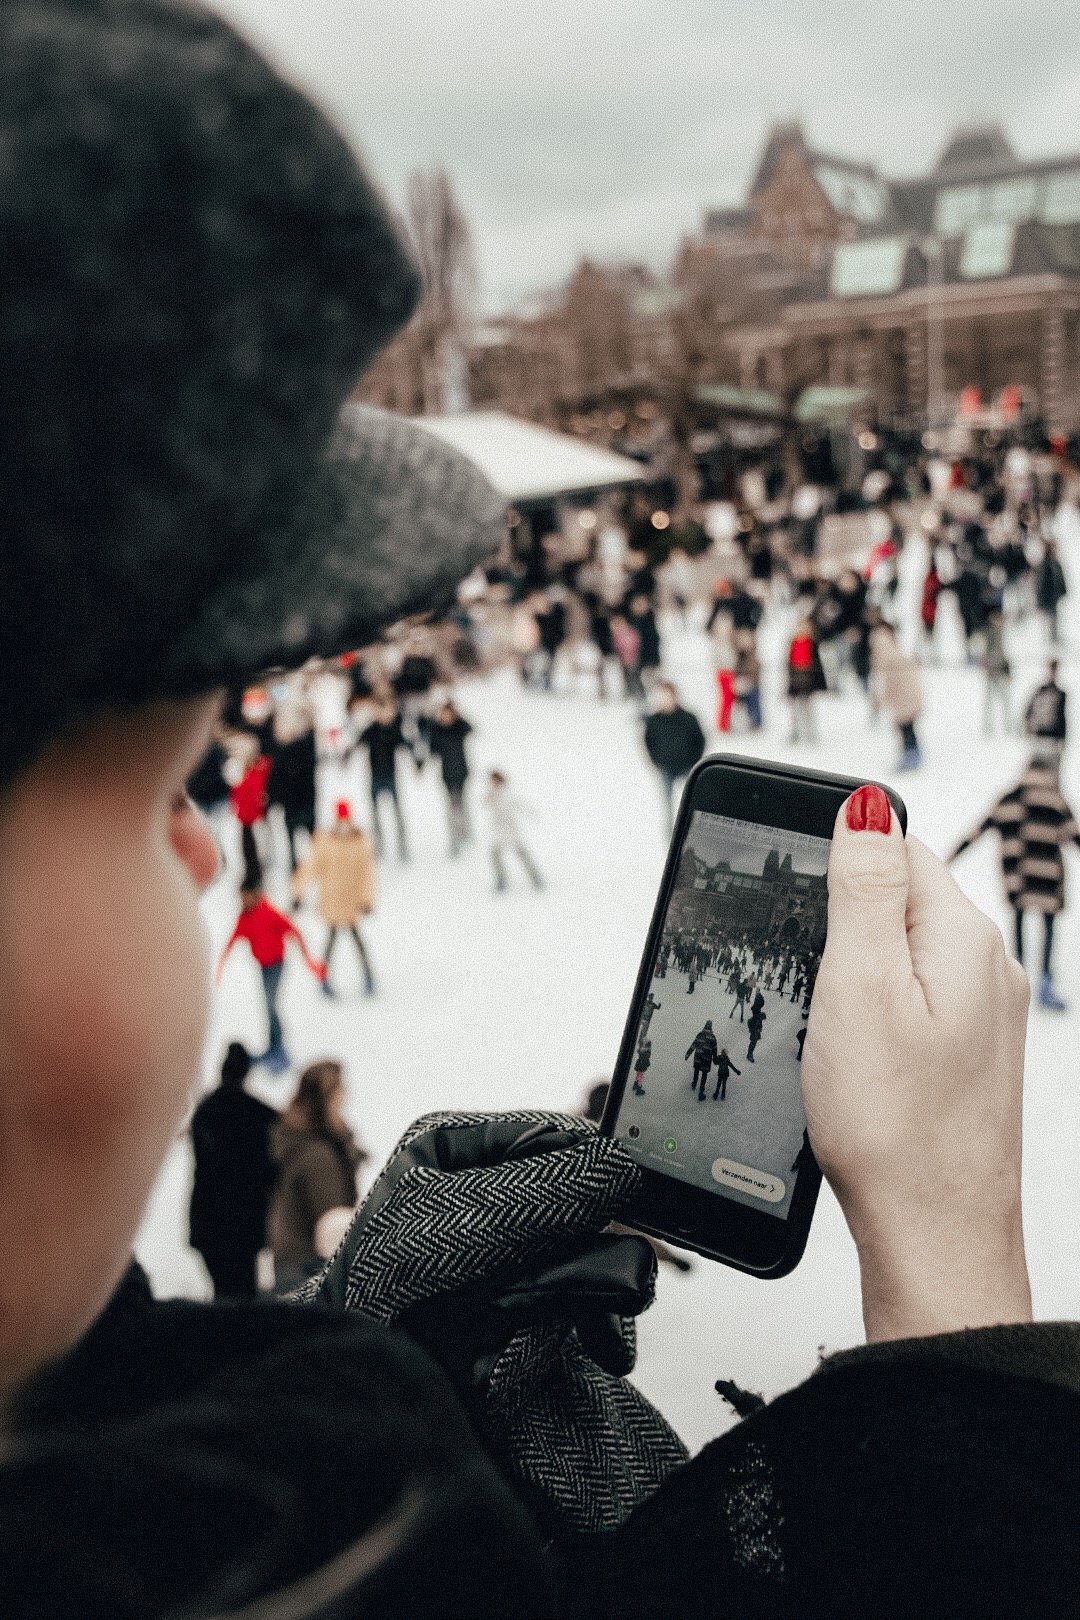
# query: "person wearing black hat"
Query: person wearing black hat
{"points": [[234, 1175], [446, 739], [674, 742], [382, 738], [194, 273]]}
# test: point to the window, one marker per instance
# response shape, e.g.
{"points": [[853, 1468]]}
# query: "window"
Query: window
{"points": [[861, 269], [1061, 199], [1012, 199], [987, 250], [857, 196], [957, 208]]}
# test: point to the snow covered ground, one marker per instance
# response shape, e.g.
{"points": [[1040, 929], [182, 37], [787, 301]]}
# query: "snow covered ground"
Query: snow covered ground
{"points": [[503, 1001]]}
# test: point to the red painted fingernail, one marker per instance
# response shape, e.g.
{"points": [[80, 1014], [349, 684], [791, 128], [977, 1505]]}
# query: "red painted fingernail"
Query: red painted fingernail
{"points": [[869, 810]]}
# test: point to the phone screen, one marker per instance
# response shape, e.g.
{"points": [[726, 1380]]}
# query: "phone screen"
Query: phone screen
{"points": [[713, 1095]]}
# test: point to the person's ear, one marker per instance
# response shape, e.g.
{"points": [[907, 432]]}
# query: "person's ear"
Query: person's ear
{"points": [[193, 840]]}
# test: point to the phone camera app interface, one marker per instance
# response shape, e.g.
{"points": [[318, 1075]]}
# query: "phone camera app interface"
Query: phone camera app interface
{"points": [[713, 1096]]}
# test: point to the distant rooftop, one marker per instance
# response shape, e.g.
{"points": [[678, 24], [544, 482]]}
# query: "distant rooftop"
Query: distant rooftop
{"points": [[978, 177], [976, 149]]}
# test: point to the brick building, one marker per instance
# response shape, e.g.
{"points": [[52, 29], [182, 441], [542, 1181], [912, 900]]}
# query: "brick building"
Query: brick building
{"points": [[915, 290], [779, 903]]}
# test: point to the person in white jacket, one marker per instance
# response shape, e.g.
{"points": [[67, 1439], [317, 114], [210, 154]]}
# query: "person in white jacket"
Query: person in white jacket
{"points": [[505, 811]]}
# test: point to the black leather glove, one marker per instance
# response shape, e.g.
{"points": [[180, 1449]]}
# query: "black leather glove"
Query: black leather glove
{"points": [[483, 1238]]}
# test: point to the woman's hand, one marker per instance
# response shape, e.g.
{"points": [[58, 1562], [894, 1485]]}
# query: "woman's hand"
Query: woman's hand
{"points": [[913, 1083]]}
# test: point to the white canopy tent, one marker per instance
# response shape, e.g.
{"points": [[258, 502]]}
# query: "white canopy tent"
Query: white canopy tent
{"points": [[528, 463]]}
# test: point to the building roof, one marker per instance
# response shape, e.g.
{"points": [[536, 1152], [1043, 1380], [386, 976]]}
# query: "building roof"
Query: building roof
{"points": [[977, 177], [855, 190], [988, 250], [976, 149], [830, 404], [526, 463], [718, 220], [729, 400]]}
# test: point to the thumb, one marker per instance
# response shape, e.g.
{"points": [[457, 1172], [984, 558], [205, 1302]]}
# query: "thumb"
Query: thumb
{"points": [[868, 886]]}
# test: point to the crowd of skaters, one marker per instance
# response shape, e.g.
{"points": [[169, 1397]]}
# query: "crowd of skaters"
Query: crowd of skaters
{"points": [[745, 967], [283, 1185], [986, 520], [986, 524]]}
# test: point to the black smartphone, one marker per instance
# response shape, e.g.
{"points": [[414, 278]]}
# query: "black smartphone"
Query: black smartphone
{"points": [[706, 1094]]}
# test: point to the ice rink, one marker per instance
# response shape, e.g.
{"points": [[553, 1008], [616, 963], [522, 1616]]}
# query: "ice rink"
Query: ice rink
{"points": [[518, 1000]]}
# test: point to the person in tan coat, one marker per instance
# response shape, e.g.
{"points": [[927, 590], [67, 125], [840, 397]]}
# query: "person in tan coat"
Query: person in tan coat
{"points": [[341, 861], [899, 690], [316, 1157]]}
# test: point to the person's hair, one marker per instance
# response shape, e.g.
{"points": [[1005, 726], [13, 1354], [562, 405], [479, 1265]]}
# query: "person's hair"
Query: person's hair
{"points": [[499, 777], [668, 686], [1052, 669], [236, 1065], [251, 896], [595, 1099], [309, 1109]]}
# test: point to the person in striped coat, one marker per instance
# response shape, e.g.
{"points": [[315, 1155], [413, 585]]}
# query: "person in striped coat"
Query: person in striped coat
{"points": [[1034, 823]]}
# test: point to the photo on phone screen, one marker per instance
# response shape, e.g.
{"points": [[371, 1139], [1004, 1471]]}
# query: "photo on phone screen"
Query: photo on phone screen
{"points": [[713, 1095]]}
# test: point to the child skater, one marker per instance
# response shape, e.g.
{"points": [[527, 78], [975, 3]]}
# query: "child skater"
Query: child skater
{"points": [[267, 930], [641, 1064], [724, 1068], [505, 812]]}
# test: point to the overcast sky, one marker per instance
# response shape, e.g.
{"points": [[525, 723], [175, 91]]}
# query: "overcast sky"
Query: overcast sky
{"points": [[606, 126], [745, 846]]}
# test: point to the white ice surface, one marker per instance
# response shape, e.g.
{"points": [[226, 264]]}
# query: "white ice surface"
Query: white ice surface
{"points": [[502, 1001]]}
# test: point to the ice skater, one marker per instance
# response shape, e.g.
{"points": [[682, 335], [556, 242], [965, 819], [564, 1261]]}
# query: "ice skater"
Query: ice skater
{"points": [[1034, 822], [755, 1028], [505, 812], [724, 1067], [446, 740], [249, 800], [651, 1006], [742, 996], [383, 737], [800, 1041], [641, 1065], [704, 1048], [267, 931], [342, 863]]}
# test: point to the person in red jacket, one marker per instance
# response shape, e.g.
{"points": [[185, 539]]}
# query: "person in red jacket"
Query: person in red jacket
{"points": [[805, 678], [267, 931], [248, 799]]}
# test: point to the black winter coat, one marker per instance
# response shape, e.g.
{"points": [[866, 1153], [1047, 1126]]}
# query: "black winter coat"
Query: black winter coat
{"points": [[448, 743], [1050, 584], [233, 1173], [292, 777], [674, 742], [647, 628], [382, 742], [206, 785], [196, 1458], [1046, 713]]}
